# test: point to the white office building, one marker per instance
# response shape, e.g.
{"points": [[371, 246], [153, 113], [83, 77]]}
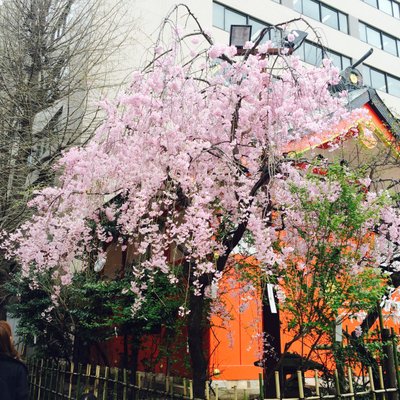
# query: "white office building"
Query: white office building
{"points": [[343, 30]]}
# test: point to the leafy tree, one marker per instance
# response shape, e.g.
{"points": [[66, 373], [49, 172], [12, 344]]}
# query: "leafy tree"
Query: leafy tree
{"points": [[329, 271], [89, 311]]}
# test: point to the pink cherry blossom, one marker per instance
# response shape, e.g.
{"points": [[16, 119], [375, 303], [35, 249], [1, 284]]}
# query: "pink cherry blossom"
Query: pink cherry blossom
{"points": [[192, 149]]}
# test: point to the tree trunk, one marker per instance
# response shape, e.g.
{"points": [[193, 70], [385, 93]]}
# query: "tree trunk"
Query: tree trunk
{"points": [[272, 330], [196, 329]]}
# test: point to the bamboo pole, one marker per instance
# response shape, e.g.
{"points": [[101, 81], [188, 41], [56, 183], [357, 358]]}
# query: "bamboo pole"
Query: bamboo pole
{"points": [[138, 379], [190, 389], [171, 385], [71, 376], [300, 384], [62, 383], [96, 381], [105, 383], [351, 387], [50, 385], [125, 379], [371, 383], [216, 391], [115, 392], [206, 389], [53, 386], [57, 371], [185, 389], [395, 355], [78, 382], [381, 381], [33, 378], [88, 373], [235, 394], [261, 385], [138, 384], [277, 386], [45, 375], [337, 383], [316, 377]]}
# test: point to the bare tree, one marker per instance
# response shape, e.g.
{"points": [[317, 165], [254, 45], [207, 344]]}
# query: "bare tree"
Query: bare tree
{"points": [[52, 59]]}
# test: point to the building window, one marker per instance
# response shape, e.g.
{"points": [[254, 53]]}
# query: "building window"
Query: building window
{"points": [[379, 39], [313, 54], [390, 7], [224, 17], [323, 13], [233, 18], [381, 80], [218, 16], [393, 85]]}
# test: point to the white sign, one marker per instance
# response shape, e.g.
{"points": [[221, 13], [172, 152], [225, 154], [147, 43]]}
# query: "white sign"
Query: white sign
{"points": [[271, 299]]}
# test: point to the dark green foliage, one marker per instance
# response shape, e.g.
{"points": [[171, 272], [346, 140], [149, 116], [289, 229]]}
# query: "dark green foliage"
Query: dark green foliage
{"points": [[89, 311]]}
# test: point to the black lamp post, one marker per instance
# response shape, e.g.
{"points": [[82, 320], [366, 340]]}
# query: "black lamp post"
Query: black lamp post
{"points": [[240, 34]]}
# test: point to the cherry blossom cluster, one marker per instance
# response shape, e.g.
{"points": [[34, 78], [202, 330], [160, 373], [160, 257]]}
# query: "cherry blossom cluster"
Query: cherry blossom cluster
{"points": [[190, 158]]}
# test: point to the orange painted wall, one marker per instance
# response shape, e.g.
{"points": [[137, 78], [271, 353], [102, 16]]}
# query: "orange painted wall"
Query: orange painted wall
{"points": [[235, 344], [234, 347]]}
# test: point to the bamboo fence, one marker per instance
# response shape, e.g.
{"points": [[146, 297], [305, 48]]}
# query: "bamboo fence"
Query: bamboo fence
{"points": [[59, 380], [366, 391]]}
